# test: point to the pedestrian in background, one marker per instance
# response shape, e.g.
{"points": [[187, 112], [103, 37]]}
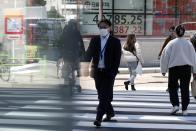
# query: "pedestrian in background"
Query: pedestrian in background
{"points": [[105, 52], [193, 41], [132, 54], [72, 50], [168, 39], [179, 58]]}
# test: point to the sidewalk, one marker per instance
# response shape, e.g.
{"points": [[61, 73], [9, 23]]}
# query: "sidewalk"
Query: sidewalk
{"points": [[147, 81], [150, 79]]}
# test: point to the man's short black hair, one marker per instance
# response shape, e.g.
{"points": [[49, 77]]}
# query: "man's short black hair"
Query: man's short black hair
{"points": [[105, 21]]}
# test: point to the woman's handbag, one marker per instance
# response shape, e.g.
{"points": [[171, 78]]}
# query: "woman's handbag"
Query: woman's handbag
{"points": [[193, 87], [139, 66]]}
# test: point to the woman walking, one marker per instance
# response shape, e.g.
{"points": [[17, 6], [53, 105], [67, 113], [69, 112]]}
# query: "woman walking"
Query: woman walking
{"points": [[132, 54], [179, 58]]}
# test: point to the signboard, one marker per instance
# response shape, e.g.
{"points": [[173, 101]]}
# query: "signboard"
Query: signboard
{"points": [[123, 23], [128, 23], [90, 15], [128, 16], [14, 24], [93, 5]]}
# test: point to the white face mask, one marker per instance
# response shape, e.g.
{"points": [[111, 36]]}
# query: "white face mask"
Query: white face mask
{"points": [[103, 32]]}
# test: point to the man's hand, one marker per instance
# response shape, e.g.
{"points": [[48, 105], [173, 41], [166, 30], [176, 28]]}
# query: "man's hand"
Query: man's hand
{"points": [[163, 74]]}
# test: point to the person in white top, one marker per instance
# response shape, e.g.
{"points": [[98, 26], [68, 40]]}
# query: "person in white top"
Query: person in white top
{"points": [[179, 58], [132, 54], [193, 41]]}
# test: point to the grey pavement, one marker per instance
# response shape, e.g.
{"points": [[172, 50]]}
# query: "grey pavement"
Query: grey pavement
{"points": [[36, 74], [141, 110], [147, 81]]}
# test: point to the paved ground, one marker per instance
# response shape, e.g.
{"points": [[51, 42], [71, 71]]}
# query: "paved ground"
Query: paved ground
{"points": [[147, 81], [35, 102], [141, 110]]}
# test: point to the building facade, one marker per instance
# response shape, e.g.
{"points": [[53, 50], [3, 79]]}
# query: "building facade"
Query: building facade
{"points": [[141, 17], [145, 18]]}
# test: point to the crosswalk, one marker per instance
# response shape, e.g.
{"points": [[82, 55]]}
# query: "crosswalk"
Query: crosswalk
{"points": [[135, 111], [47, 109], [34, 109]]}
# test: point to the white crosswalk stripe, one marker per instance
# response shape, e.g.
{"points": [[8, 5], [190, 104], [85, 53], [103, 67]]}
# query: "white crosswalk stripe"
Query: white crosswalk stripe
{"points": [[139, 110]]}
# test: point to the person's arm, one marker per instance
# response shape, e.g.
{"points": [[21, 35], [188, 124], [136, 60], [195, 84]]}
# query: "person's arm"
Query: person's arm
{"points": [[117, 56], [164, 61], [60, 45], [90, 50], [82, 48]]}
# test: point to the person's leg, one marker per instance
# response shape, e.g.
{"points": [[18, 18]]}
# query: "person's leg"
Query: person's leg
{"points": [[184, 86], [98, 77], [172, 86], [109, 96], [132, 79], [67, 78], [131, 66], [126, 83]]}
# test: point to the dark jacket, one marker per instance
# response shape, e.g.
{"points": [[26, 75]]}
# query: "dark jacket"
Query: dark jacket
{"points": [[71, 45], [167, 40], [112, 54]]}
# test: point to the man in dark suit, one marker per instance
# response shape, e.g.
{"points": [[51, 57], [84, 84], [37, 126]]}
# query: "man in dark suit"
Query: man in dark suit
{"points": [[105, 53]]}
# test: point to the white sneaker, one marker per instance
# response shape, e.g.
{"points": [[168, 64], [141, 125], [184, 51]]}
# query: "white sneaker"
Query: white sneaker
{"points": [[174, 110], [185, 113]]}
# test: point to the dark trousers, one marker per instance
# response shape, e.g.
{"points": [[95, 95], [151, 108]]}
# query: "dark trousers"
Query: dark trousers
{"points": [[104, 84], [183, 74]]}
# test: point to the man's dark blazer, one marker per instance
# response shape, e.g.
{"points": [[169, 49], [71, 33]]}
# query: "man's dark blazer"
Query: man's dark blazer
{"points": [[112, 54]]}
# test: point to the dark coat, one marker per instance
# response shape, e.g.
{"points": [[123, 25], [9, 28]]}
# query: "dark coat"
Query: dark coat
{"points": [[71, 45], [112, 54]]}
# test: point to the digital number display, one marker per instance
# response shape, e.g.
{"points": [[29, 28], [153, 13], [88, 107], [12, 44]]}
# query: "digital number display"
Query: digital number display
{"points": [[123, 23]]}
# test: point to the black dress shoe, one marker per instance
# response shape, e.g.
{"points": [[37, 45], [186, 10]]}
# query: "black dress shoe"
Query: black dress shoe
{"points": [[126, 83], [97, 123], [133, 88]]}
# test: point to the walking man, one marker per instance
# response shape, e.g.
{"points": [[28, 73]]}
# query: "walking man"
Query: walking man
{"points": [[72, 49], [105, 52]]}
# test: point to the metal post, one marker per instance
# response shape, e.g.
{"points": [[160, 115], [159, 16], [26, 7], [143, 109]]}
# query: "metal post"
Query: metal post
{"points": [[14, 3], [112, 17], [145, 12], [100, 9]]}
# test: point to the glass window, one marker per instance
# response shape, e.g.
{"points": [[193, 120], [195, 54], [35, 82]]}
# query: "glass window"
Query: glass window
{"points": [[158, 25], [135, 16], [127, 6], [90, 15], [128, 23], [128, 17], [164, 6], [186, 6]]}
